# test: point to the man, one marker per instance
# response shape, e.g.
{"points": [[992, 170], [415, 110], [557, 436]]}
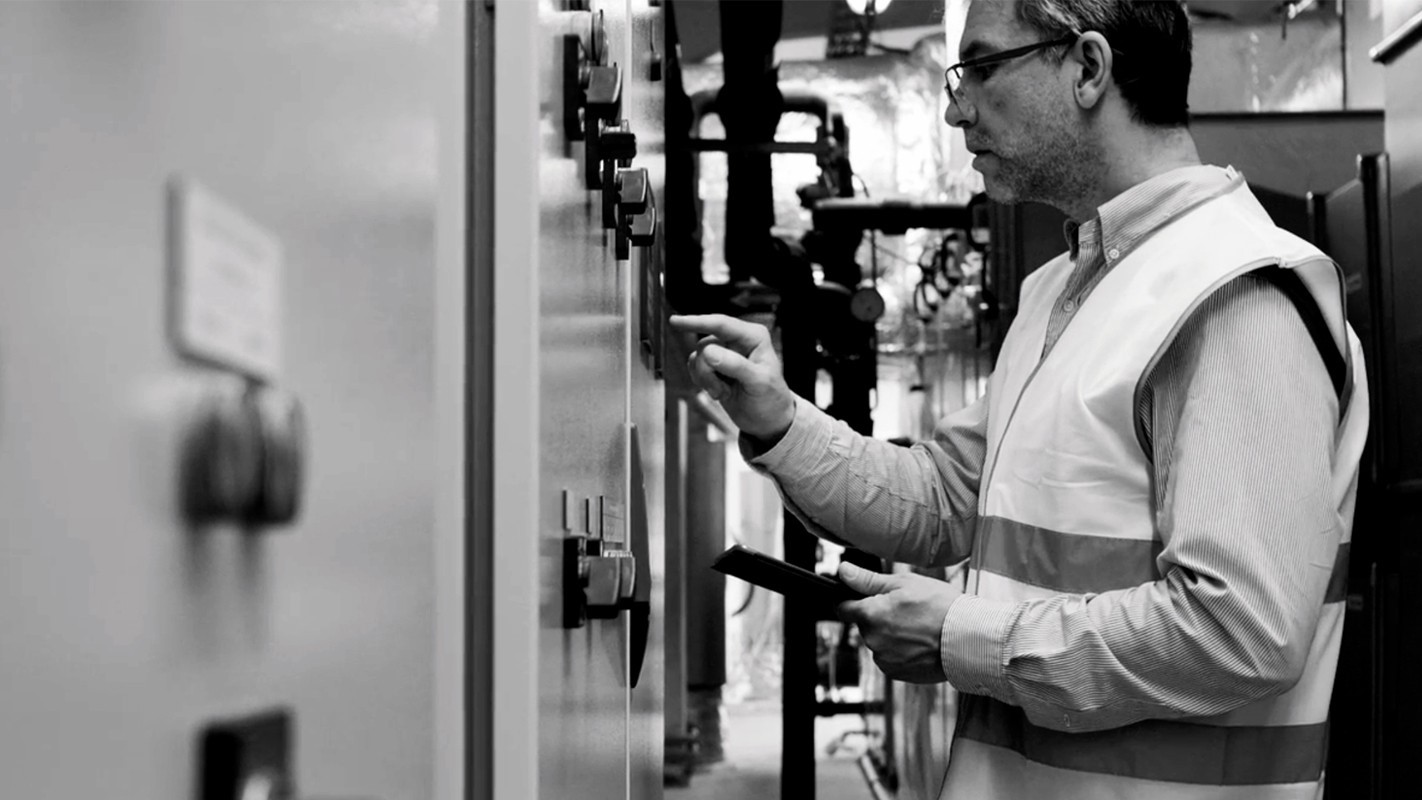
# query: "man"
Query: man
{"points": [[1155, 496]]}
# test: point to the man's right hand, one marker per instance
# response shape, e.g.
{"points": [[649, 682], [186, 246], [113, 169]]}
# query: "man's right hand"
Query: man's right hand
{"points": [[736, 364]]}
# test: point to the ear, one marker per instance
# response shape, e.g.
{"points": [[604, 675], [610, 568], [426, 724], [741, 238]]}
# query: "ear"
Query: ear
{"points": [[1094, 55]]}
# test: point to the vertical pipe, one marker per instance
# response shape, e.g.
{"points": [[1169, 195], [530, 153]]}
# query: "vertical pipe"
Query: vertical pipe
{"points": [[478, 400], [705, 588], [801, 673], [677, 749], [749, 106]]}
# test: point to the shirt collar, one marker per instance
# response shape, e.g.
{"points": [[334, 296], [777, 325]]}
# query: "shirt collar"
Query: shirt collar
{"points": [[1124, 220]]}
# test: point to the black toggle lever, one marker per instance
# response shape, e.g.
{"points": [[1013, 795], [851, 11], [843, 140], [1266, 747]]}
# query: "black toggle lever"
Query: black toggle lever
{"points": [[613, 144], [623, 192], [636, 217]]}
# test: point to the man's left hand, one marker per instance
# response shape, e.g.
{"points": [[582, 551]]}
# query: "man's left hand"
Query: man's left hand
{"points": [[902, 622]]}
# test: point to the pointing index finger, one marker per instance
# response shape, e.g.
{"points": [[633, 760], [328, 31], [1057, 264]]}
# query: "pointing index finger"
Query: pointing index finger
{"points": [[728, 329]]}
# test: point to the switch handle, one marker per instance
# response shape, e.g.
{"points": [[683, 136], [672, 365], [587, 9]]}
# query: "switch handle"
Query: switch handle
{"points": [[606, 584], [606, 143], [632, 190], [604, 93], [617, 144], [643, 231]]}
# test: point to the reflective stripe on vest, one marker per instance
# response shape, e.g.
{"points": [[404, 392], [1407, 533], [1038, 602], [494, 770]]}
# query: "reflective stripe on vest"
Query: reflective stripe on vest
{"points": [[1158, 750], [1079, 564], [1067, 506], [986, 771]]}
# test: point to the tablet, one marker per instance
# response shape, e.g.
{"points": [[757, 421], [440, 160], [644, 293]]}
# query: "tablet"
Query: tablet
{"points": [[778, 576]]}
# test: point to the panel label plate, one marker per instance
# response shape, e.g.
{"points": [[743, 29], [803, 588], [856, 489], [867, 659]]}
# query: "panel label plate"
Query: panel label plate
{"points": [[225, 292]]}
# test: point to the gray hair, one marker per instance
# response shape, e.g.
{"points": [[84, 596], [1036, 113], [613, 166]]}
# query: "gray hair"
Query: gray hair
{"points": [[1151, 43]]}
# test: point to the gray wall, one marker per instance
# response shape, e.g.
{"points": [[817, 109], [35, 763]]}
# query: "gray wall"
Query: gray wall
{"points": [[123, 629], [1290, 153]]}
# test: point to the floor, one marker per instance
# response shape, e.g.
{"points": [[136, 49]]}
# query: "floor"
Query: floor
{"points": [[751, 770]]}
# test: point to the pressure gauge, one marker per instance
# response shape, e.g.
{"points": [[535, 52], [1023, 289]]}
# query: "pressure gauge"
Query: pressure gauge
{"points": [[866, 304]]}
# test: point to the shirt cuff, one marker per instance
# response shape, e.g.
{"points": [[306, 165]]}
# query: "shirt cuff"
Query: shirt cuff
{"points": [[803, 443], [973, 645]]}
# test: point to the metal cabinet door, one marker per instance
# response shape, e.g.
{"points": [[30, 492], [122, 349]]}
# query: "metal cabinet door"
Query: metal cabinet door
{"points": [[126, 629], [643, 108], [561, 412]]}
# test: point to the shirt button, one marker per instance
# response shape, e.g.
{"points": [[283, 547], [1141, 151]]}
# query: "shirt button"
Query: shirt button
{"points": [[1069, 306], [1113, 254]]}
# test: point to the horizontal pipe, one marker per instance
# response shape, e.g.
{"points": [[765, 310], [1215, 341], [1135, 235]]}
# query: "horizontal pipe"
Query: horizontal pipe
{"points": [[723, 146], [830, 708]]}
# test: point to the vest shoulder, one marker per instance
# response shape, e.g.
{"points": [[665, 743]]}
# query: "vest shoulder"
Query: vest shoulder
{"points": [[1055, 269], [1237, 223]]}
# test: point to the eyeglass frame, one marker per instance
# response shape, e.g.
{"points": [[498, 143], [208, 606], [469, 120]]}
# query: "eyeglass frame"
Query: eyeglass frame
{"points": [[997, 58]]}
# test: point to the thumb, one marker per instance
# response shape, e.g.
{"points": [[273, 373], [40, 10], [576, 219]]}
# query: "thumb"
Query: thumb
{"points": [[864, 581]]}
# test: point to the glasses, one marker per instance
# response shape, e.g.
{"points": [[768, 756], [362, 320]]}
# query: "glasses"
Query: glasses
{"points": [[980, 69]]}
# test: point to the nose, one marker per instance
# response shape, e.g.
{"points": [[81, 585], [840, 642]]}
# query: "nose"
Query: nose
{"points": [[956, 116]]}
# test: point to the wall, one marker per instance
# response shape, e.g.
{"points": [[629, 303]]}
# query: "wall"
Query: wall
{"points": [[1290, 153], [1363, 29], [125, 630], [1404, 147]]}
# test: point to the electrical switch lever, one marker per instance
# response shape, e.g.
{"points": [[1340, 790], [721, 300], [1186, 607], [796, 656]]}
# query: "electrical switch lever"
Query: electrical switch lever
{"points": [[636, 224], [586, 77], [639, 229], [612, 580], [617, 143], [643, 231], [243, 457], [610, 146], [600, 584], [623, 192], [632, 190], [603, 97]]}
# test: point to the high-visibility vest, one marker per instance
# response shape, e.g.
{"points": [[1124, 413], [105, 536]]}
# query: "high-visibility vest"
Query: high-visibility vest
{"points": [[1066, 506]]}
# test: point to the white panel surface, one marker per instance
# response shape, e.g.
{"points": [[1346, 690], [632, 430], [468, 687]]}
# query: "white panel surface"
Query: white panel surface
{"points": [[124, 629], [644, 108], [516, 386]]}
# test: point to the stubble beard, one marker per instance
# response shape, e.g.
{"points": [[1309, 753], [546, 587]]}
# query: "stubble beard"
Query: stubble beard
{"points": [[1054, 171]]}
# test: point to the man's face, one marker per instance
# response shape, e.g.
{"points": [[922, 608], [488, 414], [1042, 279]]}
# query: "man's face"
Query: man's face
{"points": [[1018, 116]]}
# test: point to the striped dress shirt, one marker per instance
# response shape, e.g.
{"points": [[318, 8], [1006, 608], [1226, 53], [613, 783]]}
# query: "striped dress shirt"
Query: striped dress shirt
{"points": [[1239, 416]]}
